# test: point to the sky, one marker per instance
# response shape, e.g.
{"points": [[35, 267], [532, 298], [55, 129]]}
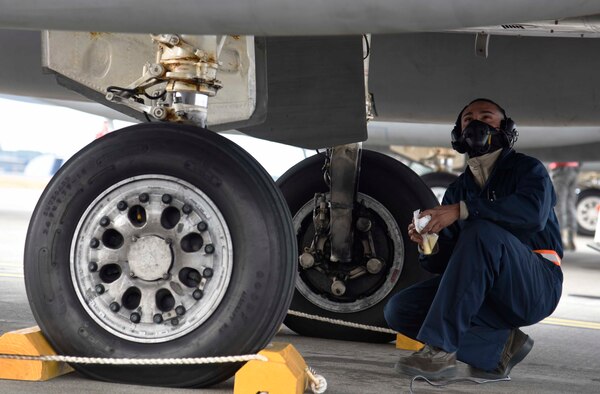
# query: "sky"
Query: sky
{"points": [[63, 131]]}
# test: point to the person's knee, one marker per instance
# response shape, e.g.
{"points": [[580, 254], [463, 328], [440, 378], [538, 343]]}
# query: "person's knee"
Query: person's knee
{"points": [[391, 314], [482, 231], [395, 312]]}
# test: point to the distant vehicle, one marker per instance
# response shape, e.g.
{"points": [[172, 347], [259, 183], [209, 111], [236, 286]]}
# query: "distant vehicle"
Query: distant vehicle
{"points": [[15, 161], [44, 165]]}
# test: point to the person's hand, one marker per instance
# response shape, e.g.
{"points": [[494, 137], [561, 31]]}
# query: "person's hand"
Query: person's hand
{"points": [[413, 234], [441, 217]]}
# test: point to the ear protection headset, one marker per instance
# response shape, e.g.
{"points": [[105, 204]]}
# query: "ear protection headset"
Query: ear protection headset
{"points": [[508, 130]]}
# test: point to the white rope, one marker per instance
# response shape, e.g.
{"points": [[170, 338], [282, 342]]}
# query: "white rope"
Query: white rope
{"points": [[341, 322], [139, 361], [318, 384]]}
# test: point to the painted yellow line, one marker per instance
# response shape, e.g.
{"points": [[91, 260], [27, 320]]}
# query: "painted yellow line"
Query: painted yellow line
{"points": [[11, 275], [571, 323]]}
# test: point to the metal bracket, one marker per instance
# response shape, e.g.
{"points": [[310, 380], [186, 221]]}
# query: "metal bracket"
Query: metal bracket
{"points": [[482, 41]]}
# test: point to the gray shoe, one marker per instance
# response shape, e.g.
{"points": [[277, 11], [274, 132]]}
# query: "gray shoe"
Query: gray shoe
{"points": [[430, 362], [517, 347]]}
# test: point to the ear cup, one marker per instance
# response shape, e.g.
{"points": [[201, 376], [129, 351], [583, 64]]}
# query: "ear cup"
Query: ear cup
{"points": [[509, 132], [458, 142]]}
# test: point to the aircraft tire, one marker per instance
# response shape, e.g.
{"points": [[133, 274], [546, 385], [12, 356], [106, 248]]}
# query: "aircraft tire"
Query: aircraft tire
{"points": [[387, 182], [86, 309], [586, 211], [438, 182]]}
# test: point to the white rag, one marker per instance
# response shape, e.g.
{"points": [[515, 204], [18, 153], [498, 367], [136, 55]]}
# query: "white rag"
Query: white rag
{"points": [[429, 240]]}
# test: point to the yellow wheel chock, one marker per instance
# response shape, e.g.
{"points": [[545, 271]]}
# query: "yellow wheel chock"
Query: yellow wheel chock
{"points": [[405, 343], [286, 372], [30, 342]]}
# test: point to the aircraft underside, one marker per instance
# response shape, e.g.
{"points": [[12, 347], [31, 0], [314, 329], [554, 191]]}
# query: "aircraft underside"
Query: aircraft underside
{"points": [[166, 239]]}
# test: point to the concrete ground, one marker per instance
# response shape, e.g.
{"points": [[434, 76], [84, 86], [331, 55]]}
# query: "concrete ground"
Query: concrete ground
{"points": [[565, 358]]}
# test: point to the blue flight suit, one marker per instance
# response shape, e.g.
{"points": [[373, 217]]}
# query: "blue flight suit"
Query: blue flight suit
{"points": [[490, 280]]}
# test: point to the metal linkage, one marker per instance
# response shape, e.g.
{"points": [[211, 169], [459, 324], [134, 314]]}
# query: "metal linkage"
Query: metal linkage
{"points": [[176, 86]]}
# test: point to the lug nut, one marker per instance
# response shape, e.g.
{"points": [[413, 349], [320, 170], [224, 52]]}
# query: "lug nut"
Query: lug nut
{"points": [[338, 287], [187, 209], [114, 306], [157, 318], [363, 224], [207, 272], [144, 197], [174, 321], [93, 266], [135, 317], [306, 260], [202, 226], [121, 205], [105, 221], [374, 266], [94, 243], [180, 310], [166, 198], [166, 276], [209, 249], [99, 289], [197, 294]]}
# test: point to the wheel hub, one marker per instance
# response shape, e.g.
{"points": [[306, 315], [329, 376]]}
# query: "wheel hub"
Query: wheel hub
{"points": [[369, 280], [150, 258]]}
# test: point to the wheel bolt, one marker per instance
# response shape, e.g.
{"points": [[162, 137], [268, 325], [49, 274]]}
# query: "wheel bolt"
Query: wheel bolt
{"points": [[105, 221], [121, 205], [209, 249], [93, 266], [114, 306], [99, 289], [157, 318], [135, 317], [187, 209], [166, 276], [197, 294], [180, 310], [174, 321], [94, 243], [166, 198], [202, 226], [207, 272], [144, 197]]}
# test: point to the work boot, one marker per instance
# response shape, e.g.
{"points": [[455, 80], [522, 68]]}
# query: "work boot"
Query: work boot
{"points": [[430, 362], [517, 347]]}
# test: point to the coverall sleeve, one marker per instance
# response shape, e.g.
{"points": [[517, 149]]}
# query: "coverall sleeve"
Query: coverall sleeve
{"points": [[525, 209]]}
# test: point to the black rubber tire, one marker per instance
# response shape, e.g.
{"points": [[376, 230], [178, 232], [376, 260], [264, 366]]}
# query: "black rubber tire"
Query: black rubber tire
{"points": [[581, 198], [438, 179], [264, 246], [398, 189]]}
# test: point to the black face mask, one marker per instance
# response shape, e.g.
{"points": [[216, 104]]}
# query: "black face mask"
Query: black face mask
{"points": [[481, 138]]}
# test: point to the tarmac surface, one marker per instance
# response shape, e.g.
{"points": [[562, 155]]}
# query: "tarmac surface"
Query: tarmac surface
{"points": [[564, 359]]}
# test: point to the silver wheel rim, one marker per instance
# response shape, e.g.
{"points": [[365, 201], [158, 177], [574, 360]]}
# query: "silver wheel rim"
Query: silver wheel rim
{"points": [[167, 259], [587, 212], [393, 274]]}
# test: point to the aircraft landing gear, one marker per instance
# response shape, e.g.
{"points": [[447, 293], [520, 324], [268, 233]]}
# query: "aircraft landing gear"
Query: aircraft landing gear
{"points": [[382, 261], [144, 245]]}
